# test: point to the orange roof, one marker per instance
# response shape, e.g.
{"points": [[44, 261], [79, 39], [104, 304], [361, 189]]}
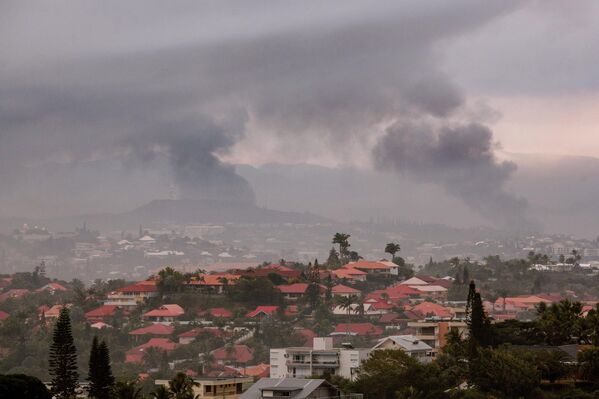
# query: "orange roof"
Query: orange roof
{"points": [[154, 329], [142, 286], [54, 311], [297, 288], [369, 265], [216, 279], [239, 354], [52, 287], [171, 310], [343, 289], [217, 312], [429, 308], [102, 311], [259, 370], [266, 310], [358, 329], [348, 272]]}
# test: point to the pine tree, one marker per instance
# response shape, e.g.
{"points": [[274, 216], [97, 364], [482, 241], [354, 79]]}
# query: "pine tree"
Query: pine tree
{"points": [[63, 358], [101, 380]]}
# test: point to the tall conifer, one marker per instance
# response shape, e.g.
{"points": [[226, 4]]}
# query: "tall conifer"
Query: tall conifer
{"points": [[63, 358]]}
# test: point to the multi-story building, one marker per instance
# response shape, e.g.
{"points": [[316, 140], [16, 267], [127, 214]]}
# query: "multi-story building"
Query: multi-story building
{"points": [[223, 388], [132, 295], [321, 358], [433, 332]]}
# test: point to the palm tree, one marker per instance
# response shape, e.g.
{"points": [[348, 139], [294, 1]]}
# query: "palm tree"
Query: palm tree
{"points": [[161, 392], [345, 303], [127, 390], [392, 248], [181, 386], [343, 240]]}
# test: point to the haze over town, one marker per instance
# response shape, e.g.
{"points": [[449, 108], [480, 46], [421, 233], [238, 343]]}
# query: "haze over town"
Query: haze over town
{"points": [[357, 176]]}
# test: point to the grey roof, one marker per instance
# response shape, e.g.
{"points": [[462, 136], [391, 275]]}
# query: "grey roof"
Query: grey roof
{"points": [[406, 342], [302, 387]]}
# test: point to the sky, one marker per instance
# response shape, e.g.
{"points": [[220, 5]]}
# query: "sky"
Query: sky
{"points": [[438, 91]]}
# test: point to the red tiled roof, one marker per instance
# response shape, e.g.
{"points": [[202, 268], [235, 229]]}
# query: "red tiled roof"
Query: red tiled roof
{"points": [[136, 354], [13, 294], [361, 329], [429, 308], [102, 311], [170, 310], [142, 286], [239, 354], [389, 317], [344, 289], [52, 287], [217, 312], [348, 272], [3, 315], [54, 311], [260, 370], [297, 288], [216, 279], [154, 329], [267, 310]]}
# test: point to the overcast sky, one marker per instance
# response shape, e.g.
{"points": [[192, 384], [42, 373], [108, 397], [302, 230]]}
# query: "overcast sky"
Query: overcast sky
{"points": [[332, 83]]}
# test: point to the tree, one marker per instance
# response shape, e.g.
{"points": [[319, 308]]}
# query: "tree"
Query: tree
{"points": [[588, 361], [161, 392], [170, 280], [560, 323], [22, 386], [345, 303], [479, 325], [101, 380], [127, 390], [313, 295], [391, 374], [392, 249], [63, 358], [333, 260], [342, 240], [181, 386], [499, 372]]}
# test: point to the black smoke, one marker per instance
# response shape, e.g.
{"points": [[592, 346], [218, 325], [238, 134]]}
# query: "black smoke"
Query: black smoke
{"points": [[461, 158]]}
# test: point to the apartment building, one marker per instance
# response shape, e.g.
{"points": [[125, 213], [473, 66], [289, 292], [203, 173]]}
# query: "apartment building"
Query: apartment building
{"points": [[433, 332], [321, 358]]}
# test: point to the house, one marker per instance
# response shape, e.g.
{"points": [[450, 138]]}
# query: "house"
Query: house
{"points": [[435, 292], [102, 313], [132, 295], [349, 273], [164, 314], [414, 347], [429, 309], [188, 337], [153, 329], [297, 290], [262, 311], [216, 312], [215, 387], [359, 329], [54, 311], [216, 282], [261, 370], [14, 293], [52, 288], [136, 355], [100, 325], [319, 359], [234, 355], [296, 388], [370, 267], [434, 333], [341, 290]]}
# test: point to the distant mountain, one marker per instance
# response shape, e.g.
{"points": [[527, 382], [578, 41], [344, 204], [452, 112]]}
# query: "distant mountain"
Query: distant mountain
{"points": [[207, 211]]}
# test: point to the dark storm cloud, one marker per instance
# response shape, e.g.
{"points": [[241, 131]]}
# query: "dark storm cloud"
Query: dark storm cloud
{"points": [[309, 73]]}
